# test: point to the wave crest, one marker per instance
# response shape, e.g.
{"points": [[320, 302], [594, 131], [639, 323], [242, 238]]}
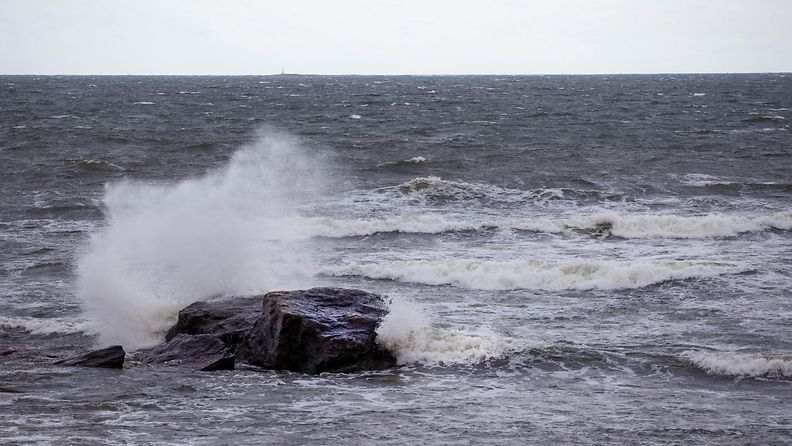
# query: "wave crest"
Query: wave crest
{"points": [[535, 274], [434, 189], [741, 365], [407, 331], [46, 326], [638, 226], [166, 246], [674, 226]]}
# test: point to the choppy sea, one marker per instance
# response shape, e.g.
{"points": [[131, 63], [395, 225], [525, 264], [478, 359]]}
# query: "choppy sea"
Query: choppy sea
{"points": [[568, 259]]}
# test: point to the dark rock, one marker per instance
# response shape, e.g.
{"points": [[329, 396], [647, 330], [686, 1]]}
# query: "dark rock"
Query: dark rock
{"points": [[199, 352], [318, 330], [310, 331], [111, 357], [229, 319]]}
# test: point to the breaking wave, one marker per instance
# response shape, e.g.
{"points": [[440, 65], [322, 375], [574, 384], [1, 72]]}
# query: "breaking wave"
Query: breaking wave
{"points": [[639, 226], [407, 331], [536, 274], [46, 326], [435, 189], [741, 365], [408, 162], [166, 246], [674, 226]]}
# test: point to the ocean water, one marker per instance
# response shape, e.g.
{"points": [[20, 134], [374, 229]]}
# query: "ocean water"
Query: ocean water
{"points": [[568, 259]]}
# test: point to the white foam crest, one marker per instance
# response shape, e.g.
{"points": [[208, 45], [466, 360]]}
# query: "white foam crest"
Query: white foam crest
{"points": [[535, 274], [741, 365], [416, 224], [433, 187], [166, 246], [407, 331], [413, 160], [46, 326], [674, 226], [641, 226]]}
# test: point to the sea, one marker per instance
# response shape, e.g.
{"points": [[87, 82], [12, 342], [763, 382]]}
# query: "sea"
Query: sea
{"points": [[566, 259]]}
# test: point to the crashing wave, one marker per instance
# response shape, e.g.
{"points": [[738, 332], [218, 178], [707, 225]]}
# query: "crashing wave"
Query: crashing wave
{"points": [[46, 326], [674, 226], [741, 365], [407, 331], [637, 226], [535, 274], [168, 245]]}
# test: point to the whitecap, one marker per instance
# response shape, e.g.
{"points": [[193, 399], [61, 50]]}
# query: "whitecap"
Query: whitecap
{"points": [[740, 364], [408, 332], [46, 326], [648, 226], [413, 160], [637, 226], [435, 188], [99, 165], [535, 274]]}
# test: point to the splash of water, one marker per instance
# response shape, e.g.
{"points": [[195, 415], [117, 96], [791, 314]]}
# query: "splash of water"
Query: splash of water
{"points": [[408, 332], [165, 246]]}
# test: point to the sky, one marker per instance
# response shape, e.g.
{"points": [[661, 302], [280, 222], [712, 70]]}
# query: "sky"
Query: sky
{"points": [[394, 37]]}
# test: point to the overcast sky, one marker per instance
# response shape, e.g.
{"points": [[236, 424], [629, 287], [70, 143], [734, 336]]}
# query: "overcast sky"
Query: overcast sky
{"points": [[394, 37]]}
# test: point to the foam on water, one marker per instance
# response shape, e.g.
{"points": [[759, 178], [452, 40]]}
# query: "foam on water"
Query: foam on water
{"points": [[435, 188], [46, 326], [406, 162], [416, 224], [741, 365], [165, 246], [675, 226], [536, 274], [637, 226], [99, 165], [408, 331]]}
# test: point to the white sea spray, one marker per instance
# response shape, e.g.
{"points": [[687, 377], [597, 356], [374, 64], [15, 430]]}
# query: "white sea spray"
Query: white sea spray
{"points": [[408, 331], [167, 245]]}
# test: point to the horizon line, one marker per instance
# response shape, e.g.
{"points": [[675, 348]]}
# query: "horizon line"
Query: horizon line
{"points": [[286, 74]]}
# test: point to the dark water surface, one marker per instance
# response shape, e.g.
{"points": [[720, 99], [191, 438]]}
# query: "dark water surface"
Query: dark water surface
{"points": [[570, 259]]}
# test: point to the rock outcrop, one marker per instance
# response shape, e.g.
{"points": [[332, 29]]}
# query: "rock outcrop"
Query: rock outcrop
{"points": [[228, 319], [318, 330], [111, 357], [199, 352], [309, 331]]}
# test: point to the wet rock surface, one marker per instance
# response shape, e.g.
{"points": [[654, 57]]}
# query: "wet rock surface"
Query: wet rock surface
{"points": [[309, 331], [111, 357], [228, 319], [200, 352], [318, 330]]}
